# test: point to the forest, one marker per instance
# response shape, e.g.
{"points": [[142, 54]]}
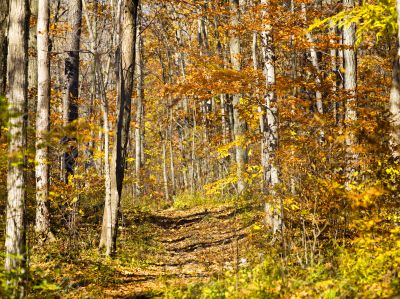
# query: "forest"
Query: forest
{"points": [[199, 149]]}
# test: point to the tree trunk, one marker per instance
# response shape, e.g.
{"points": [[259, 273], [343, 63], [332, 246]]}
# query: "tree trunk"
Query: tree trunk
{"points": [[70, 104], [42, 122], [254, 50], [17, 65], [164, 164], [33, 59], [171, 155], [240, 126], [395, 96], [107, 174], [270, 135], [337, 105], [315, 64], [139, 111], [125, 58], [89, 109], [350, 86], [3, 45], [186, 169]]}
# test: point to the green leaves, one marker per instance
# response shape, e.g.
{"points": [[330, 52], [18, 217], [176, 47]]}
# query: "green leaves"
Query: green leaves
{"points": [[44, 285]]}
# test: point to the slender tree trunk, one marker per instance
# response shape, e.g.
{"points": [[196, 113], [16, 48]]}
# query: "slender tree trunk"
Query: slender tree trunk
{"points": [[107, 174], [164, 163], [270, 134], [43, 122], [315, 64], [3, 45], [224, 120], [395, 95], [107, 229], [240, 126], [17, 65], [350, 86], [186, 169], [139, 110], [89, 109], [33, 59], [337, 106], [193, 154], [125, 58], [71, 93], [261, 109], [171, 155]]}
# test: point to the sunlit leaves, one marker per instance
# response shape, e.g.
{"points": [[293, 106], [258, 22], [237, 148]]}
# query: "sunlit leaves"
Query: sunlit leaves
{"points": [[378, 16]]}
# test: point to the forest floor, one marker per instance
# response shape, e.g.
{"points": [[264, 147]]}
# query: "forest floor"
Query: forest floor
{"points": [[164, 250]]}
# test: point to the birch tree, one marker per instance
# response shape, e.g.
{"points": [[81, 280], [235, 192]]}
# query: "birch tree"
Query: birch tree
{"points": [[350, 86], [42, 121], [270, 124], [17, 65], [239, 124]]}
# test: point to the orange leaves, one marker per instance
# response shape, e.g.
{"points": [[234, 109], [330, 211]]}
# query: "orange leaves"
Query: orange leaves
{"points": [[206, 80], [365, 198]]}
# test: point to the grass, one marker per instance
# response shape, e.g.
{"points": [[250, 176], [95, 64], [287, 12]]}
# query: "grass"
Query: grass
{"points": [[187, 200]]}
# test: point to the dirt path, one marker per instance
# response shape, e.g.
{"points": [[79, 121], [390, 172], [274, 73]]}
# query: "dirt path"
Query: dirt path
{"points": [[191, 245]]}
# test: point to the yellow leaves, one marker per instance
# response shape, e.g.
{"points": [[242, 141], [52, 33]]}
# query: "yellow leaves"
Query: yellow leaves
{"points": [[291, 204], [364, 197], [256, 227], [379, 17], [98, 155], [152, 178], [225, 149], [393, 217], [217, 186], [392, 171]]}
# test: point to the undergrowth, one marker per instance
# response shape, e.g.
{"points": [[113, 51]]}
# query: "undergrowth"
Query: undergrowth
{"points": [[188, 200], [368, 269]]}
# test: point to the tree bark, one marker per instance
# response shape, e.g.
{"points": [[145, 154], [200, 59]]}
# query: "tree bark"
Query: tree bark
{"points": [[350, 86], [139, 110], [89, 109], [240, 126], [17, 65], [125, 57], [270, 135], [185, 133], [33, 59], [3, 45], [164, 163], [395, 95], [70, 99], [171, 154], [42, 225], [337, 106], [107, 174]]}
